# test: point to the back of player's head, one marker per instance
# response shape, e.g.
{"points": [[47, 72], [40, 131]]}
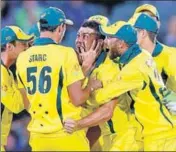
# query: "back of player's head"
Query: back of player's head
{"points": [[142, 21], [51, 18], [95, 26]]}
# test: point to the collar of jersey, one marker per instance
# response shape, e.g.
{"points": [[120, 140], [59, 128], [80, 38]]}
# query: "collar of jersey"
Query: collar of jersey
{"points": [[158, 49], [131, 53], [5, 66], [101, 58], [43, 41]]}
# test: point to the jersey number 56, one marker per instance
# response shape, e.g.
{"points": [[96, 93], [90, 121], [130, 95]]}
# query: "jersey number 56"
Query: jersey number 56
{"points": [[44, 82]]}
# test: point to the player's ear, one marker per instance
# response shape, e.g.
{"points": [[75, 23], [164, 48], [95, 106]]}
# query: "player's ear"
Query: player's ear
{"points": [[144, 33], [9, 46], [60, 28]]}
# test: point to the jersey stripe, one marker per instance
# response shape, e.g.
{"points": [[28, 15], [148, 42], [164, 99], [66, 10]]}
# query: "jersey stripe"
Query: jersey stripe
{"points": [[157, 98], [111, 127], [2, 109], [164, 76], [21, 80], [59, 91]]}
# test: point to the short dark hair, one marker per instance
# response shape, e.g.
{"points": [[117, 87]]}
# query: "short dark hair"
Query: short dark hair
{"points": [[46, 28], [95, 26], [3, 47]]}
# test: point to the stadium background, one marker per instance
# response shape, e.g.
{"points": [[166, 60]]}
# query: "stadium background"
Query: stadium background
{"points": [[25, 14]]}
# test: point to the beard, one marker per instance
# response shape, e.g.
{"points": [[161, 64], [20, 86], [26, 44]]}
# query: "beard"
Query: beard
{"points": [[114, 55]]}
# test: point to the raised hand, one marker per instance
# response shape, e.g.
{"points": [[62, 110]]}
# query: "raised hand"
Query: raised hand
{"points": [[95, 83]]}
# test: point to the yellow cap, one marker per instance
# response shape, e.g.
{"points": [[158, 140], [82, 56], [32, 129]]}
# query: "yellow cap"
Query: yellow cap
{"points": [[103, 20], [148, 7], [13, 33]]}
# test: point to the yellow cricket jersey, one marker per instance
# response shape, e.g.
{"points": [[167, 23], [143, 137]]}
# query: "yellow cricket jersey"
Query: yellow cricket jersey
{"points": [[45, 70], [165, 58], [11, 102], [107, 71], [139, 77]]}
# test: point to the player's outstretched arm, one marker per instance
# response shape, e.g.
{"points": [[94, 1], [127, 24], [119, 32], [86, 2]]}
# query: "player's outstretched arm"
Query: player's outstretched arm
{"points": [[102, 114], [78, 95]]}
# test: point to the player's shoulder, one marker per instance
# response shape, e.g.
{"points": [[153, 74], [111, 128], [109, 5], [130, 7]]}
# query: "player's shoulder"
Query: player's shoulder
{"points": [[110, 63], [64, 49], [5, 73], [4, 70], [141, 58], [167, 50]]}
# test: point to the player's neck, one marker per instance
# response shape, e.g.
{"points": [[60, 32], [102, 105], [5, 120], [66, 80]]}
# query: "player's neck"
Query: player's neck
{"points": [[149, 46], [47, 34], [6, 60]]}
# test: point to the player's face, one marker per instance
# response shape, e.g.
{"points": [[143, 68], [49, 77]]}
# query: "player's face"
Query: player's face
{"points": [[114, 46], [85, 38], [18, 48], [140, 36]]}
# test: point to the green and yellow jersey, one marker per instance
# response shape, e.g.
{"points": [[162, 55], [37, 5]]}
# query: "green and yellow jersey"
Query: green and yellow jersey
{"points": [[107, 71], [11, 101], [139, 77], [165, 58], [45, 70]]}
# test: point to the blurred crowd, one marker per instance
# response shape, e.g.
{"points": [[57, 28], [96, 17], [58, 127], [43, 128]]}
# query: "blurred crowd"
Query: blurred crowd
{"points": [[26, 13]]}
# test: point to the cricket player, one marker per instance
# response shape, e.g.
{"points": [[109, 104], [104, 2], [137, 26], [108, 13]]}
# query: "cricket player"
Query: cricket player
{"points": [[147, 32], [140, 78], [52, 78], [13, 42], [115, 127], [161, 52]]}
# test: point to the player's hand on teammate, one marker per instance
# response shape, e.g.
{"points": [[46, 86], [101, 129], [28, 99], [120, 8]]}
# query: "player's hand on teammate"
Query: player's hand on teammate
{"points": [[95, 83], [70, 125]]}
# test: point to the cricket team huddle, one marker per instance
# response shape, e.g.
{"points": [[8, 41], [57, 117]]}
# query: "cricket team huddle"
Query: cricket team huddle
{"points": [[115, 92]]}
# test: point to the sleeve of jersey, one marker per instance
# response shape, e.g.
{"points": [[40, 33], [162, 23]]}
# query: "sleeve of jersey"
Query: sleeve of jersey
{"points": [[124, 83], [72, 68], [171, 72], [10, 96]]}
